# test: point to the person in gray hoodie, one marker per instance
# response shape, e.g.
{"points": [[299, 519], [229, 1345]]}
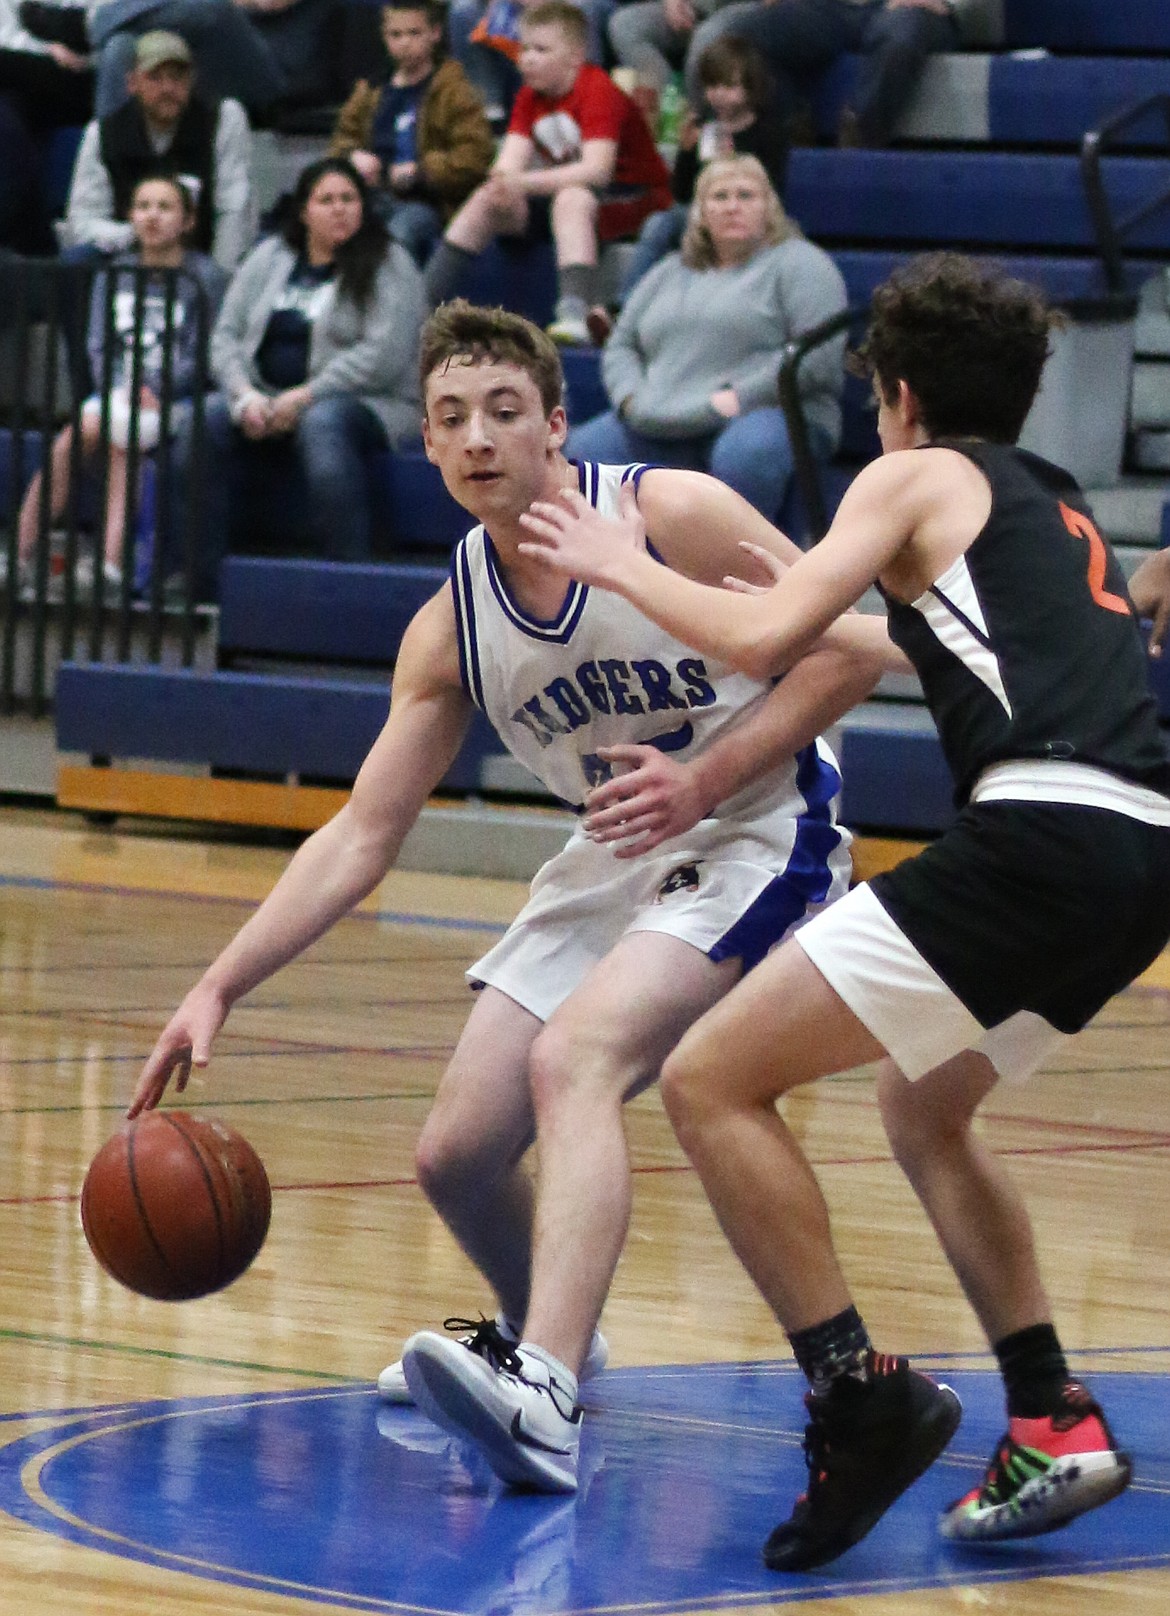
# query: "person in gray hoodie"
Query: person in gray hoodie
{"points": [[692, 366], [314, 356]]}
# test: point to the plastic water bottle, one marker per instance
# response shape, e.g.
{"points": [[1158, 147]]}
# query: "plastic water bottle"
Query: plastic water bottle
{"points": [[672, 105]]}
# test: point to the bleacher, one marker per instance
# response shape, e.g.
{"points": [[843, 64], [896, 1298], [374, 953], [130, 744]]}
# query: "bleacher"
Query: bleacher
{"points": [[988, 160]]}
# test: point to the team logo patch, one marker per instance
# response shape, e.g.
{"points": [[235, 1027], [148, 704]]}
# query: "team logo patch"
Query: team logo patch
{"points": [[684, 879]]}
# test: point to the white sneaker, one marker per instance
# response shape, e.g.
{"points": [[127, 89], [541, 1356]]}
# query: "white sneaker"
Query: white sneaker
{"points": [[524, 1419], [570, 331], [490, 1339]]}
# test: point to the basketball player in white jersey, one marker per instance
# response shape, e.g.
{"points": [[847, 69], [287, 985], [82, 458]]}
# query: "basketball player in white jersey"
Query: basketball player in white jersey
{"points": [[722, 792], [973, 960]]}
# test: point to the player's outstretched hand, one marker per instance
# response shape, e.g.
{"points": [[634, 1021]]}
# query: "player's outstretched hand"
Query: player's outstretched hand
{"points": [[767, 565], [573, 538], [184, 1042], [655, 799], [1149, 589]]}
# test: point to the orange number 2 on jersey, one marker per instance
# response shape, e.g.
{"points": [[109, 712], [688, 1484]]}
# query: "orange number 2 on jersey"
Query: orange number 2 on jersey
{"points": [[1084, 529]]}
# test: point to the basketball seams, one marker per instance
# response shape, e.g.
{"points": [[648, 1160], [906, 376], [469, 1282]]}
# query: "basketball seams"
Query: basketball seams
{"points": [[196, 1150], [175, 1221]]}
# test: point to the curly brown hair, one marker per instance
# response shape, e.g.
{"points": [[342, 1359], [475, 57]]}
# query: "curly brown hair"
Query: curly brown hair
{"points": [[968, 339], [481, 336]]}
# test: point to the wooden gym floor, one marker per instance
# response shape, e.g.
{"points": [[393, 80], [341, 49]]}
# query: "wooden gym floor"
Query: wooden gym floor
{"points": [[228, 1454]]}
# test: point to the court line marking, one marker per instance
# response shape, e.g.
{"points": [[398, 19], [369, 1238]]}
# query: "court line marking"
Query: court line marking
{"points": [[31, 1472], [38, 1338], [389, 917]]}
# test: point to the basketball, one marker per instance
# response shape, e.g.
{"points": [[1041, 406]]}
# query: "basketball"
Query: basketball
{"points": [[175, 1206]]}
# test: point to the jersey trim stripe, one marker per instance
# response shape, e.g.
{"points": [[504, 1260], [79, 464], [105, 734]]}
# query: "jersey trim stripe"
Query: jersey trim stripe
{"points": [[951, 609], [555, 631], [806, 878], [464, 599]]}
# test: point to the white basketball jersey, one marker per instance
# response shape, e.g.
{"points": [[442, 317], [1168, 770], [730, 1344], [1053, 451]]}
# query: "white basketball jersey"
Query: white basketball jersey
{"points": [[601, 673]]}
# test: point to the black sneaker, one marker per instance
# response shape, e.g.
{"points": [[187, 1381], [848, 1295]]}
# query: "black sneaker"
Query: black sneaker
{"points": [[865, 1443]]}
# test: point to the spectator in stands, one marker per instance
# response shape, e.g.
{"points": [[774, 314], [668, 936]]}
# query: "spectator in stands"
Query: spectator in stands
{"points": [[50, 83], [259, 52], [737, 92], [658, 38], [134, 310], [578, 157], [314, 354], [485, 38], [44, 85], [421, 141], [801, 38], [165, 124], [693, 362]]}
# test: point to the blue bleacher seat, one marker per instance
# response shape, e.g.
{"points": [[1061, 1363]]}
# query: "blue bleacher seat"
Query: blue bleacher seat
{"points": [[261, 724], [413, 510], [1053, 100], [978, 199], [1088, 25], [521, 276], [326, 610]]}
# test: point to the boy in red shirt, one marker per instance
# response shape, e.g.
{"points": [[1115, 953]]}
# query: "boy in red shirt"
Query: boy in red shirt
{"points": [[578, 158]]}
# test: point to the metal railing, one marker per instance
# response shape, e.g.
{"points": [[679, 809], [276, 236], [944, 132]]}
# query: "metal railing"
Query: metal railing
{"points": [[78, 442], [806, 467], [1111, 232]]}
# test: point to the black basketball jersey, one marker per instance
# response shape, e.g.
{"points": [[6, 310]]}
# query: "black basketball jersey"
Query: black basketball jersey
{"points": [[1028, 645]]}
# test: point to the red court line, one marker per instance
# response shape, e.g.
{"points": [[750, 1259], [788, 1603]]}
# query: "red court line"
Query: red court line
{"points": [[315, 1185], [1102, 1130]]}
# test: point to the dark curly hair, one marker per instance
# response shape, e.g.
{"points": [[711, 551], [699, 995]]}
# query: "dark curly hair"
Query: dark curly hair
{"points": [[968, 340], [358, 259], [481, 336]]}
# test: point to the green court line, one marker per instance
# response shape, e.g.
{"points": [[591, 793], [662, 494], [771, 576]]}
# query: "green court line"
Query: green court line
{"points": [[220, 1103], [37, 1339]]}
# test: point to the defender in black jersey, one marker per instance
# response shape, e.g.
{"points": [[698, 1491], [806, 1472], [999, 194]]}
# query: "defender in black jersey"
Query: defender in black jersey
{"points": [[970, 962]]}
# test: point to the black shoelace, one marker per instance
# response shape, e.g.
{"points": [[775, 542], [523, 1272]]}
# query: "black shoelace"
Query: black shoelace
{"points": [[487, 1341]]}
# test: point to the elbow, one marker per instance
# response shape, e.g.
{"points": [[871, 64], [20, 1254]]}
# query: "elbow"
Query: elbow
{"points": [[759, 658]]}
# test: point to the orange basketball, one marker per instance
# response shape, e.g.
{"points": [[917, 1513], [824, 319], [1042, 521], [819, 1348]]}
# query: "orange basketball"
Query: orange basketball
{"points": [[175, 1206]]}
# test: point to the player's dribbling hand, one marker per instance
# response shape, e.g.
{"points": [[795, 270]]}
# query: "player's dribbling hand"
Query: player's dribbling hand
{"points": [[655, 799], [184, 1042], [571, 537]]}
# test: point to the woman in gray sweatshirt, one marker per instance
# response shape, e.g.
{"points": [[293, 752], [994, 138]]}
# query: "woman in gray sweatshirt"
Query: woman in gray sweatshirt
{"points": [[692, 365], [315, 356]]}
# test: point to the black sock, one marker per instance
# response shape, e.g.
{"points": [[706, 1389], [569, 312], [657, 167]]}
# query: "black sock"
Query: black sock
{"points": [[1034, 1371], [827, 1352], [445, 271]]}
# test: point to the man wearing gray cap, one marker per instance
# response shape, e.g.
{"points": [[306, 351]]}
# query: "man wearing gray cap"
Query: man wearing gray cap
{"points": [[165, 125]]}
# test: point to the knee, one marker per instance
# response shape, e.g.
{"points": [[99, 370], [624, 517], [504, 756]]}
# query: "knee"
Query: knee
{"points": [[329, 420], [915, 1128], [556, 1062], [576, 204], [686, 1092], [445, 1159], [569, 1059]]}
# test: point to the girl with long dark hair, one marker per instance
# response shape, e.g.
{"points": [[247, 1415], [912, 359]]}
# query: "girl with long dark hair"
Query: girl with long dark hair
{"points": [[314, 356]]}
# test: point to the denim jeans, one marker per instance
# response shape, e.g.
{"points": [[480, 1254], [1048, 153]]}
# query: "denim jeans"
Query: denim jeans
{"points": [[330, 448], [233, 58], [751, 454], [801, 38]]}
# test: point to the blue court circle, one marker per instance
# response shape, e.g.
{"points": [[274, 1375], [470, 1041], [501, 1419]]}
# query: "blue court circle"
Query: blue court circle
{"points": [[324, 1494]]}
